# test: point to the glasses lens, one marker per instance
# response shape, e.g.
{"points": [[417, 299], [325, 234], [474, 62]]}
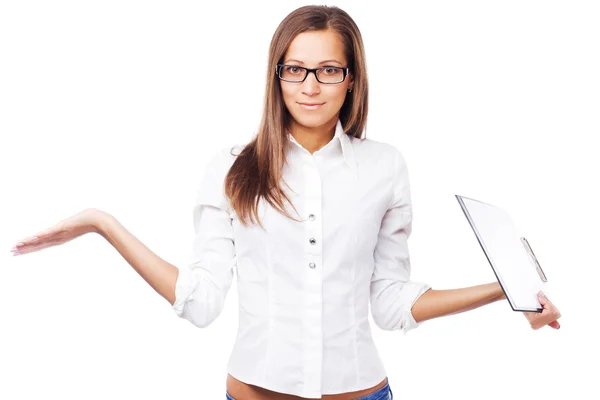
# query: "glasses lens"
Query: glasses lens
{"points": [[292, 73], [331, 75]]}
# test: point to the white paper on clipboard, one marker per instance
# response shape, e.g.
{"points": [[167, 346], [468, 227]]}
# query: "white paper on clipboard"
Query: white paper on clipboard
{"points": [[512, 259]]}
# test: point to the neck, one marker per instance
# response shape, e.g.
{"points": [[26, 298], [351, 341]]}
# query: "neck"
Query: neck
{"points": [[312, 139]]}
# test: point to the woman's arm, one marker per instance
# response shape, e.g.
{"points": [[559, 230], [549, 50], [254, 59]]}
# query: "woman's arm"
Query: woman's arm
{"points": [[438, 303], [159, 274], [197, 291]]}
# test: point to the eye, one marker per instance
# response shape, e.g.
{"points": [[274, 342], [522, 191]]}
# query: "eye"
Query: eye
{"points": [[292, 69], [330, 70]]}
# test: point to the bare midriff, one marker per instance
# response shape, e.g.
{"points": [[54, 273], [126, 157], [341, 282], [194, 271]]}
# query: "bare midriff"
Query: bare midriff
{"points": [[243, 391]]}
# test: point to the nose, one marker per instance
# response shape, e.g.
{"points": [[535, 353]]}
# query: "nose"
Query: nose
{"points": [[311, 85]]}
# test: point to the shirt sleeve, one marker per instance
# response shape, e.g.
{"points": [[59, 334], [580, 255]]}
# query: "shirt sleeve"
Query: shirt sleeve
{"points": [[392, 293], [202, 285]]}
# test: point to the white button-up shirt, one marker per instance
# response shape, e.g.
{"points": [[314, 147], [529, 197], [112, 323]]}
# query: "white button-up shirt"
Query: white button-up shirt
{"points": [[305, 287]]}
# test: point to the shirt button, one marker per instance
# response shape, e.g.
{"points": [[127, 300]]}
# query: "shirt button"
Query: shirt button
{"points": [[311, 217], [312, 265], [312, 240]]}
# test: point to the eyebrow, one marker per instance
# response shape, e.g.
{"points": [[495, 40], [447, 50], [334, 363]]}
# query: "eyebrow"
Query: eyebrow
{"points": [[322, 62]]}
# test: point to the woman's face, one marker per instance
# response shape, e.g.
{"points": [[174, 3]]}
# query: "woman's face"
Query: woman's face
{"points": [[315, 49]]}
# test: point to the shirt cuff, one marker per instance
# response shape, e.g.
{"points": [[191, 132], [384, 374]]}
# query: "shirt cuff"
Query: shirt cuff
{"points": [[414, 291], [186, 283]]}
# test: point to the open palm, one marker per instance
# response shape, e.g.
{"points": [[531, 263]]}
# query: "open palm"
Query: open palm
{"points": [[62, 232]]}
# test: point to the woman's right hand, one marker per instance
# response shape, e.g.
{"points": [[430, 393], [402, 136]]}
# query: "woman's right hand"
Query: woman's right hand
{"points": [[64, 231]]}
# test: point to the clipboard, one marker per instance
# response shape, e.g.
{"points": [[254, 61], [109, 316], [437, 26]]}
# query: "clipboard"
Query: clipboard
{"points": [[510, 255]]}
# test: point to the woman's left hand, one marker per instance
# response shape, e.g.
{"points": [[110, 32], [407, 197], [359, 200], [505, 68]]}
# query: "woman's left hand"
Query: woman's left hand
{"points": [[548, 316]]}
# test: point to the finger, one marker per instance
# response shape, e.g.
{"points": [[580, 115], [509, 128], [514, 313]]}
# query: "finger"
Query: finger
{"points": [[38, 238], [550, 309], [31, 239], [34, 247], [554, 324], [27, 240], [48, 230]]}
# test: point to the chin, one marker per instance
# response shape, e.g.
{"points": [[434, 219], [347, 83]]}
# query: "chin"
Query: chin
{"points": [[312, 120]]}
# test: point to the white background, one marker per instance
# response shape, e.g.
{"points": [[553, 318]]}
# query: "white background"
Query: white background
{"points": [[118, 105]]}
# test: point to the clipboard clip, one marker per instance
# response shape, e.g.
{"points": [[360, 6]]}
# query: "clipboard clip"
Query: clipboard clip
{"points": [[535, 260]]}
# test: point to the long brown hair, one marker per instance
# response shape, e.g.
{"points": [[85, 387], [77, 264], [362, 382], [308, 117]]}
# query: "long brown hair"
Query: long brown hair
{"points": [[257, 171]]}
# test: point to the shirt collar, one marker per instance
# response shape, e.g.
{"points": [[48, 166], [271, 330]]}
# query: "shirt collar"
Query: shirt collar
{"points": [[344, 141]]}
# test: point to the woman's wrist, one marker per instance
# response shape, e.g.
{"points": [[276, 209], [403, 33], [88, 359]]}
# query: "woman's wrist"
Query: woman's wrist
{"points": [[500, 293], [100, 221]]}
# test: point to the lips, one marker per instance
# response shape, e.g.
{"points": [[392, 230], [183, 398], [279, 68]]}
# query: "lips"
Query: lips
{"points": [[311, 106]]}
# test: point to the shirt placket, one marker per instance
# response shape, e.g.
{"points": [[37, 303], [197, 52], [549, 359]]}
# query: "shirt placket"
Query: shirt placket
{"points": [[314, 272]]}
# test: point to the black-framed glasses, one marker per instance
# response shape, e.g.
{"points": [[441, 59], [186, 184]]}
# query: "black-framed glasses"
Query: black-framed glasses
{"points": [[297, 74]]}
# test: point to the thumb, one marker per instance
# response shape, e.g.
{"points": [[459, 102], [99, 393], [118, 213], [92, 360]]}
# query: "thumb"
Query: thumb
{"points": [[542, 298]]}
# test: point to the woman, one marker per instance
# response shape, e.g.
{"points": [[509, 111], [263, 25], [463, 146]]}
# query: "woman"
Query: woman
{"points": [[314, 219]]}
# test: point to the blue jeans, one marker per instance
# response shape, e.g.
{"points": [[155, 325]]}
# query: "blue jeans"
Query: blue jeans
{"points": [[385, 393]]}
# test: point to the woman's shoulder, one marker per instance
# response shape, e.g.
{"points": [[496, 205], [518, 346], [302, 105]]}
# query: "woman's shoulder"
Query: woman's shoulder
{"points": [[217, 165], [235, 150], [367, 147], [225, 156]]}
